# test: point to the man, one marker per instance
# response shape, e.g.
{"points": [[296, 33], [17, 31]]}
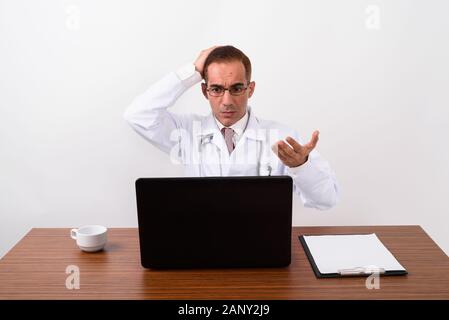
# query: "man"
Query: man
{"points": [[231, 141]]}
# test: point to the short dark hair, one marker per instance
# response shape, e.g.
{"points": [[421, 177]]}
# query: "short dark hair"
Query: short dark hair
{"points": [[228, 54]]}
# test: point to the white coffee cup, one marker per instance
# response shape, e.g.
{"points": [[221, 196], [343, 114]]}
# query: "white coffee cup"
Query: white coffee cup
{"points": [[90, 238]]}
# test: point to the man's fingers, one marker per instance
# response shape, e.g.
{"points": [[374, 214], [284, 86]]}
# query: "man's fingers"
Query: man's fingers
{"points": [[312, 143], [278, 150], [282, 153], [286, 149], [206, 52], [213, 47], [199, 63], [295, 145], [283, 156], [291, 151]]}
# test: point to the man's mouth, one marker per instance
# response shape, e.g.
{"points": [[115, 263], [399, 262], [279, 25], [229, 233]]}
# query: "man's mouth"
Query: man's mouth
{"points": [[228, 114]]}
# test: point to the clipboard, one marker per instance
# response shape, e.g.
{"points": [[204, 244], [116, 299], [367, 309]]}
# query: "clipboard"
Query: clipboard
{"points": [[382, 262]]}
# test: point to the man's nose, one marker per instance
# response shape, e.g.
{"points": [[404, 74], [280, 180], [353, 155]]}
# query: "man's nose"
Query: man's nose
{"points": [[227, 98]]}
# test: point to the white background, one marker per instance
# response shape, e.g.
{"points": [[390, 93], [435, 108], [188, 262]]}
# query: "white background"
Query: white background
{"points": [[372, 76]]}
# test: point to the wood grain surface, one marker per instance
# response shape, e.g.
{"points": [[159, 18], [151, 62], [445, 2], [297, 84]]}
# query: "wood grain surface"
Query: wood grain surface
{"points": [[35, 269]]}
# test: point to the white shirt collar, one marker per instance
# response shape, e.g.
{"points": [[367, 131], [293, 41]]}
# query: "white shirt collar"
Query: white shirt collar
{"points": [[238, 127]]}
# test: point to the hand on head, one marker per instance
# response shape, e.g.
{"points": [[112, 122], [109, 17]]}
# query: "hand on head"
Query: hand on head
{"points": [[199, 63]]}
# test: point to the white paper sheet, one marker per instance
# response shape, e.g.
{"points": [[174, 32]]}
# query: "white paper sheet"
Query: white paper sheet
{"points": [[335, 252]]}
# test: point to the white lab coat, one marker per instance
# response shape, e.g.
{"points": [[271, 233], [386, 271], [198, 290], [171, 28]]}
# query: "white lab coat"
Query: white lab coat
{"points": [[196, 142]]}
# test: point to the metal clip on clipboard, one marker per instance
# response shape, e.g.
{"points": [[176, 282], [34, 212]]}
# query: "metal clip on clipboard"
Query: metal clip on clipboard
{"points": [[367, 270]]}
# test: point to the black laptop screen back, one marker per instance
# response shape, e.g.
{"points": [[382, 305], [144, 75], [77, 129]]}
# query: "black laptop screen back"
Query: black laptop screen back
{"points": [[215, 221]]}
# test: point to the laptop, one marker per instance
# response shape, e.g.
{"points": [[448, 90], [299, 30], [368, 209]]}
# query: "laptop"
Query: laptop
{"points": [[215, 222]]}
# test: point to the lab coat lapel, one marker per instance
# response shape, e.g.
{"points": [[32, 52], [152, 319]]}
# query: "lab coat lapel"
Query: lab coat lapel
{"points": [[209, 128], [213, 152], [246, 156], [253, 129]]}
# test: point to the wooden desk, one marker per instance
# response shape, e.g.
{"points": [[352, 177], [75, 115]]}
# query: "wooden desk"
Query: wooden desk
{"points": [[35, 269]]}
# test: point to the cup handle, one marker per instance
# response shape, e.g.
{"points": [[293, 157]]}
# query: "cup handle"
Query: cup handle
{"points": [[73, 233]]}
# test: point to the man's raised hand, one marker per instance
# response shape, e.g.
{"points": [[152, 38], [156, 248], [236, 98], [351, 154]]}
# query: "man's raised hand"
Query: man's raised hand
{"points": [[295, 154]]}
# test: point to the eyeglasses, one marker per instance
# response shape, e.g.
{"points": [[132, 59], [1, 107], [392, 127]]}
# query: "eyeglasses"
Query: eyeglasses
{"points": [[235, 90]]}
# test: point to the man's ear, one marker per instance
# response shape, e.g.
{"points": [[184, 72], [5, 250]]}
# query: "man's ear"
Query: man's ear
{"points": [[203, 88], [252, 87]]}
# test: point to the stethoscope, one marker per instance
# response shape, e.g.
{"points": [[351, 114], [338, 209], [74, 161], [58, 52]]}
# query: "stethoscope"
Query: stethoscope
{"points": [[262, 170]]}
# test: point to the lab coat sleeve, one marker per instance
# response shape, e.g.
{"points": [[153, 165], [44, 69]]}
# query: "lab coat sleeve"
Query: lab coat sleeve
{"points": [[315, 182], [148, 113]]}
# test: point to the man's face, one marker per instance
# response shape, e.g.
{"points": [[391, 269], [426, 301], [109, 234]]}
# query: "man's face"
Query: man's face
{"points": [[228, 109]]}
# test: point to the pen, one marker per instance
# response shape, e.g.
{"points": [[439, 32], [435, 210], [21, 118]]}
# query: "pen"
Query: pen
{"points": [[361, 271]]}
